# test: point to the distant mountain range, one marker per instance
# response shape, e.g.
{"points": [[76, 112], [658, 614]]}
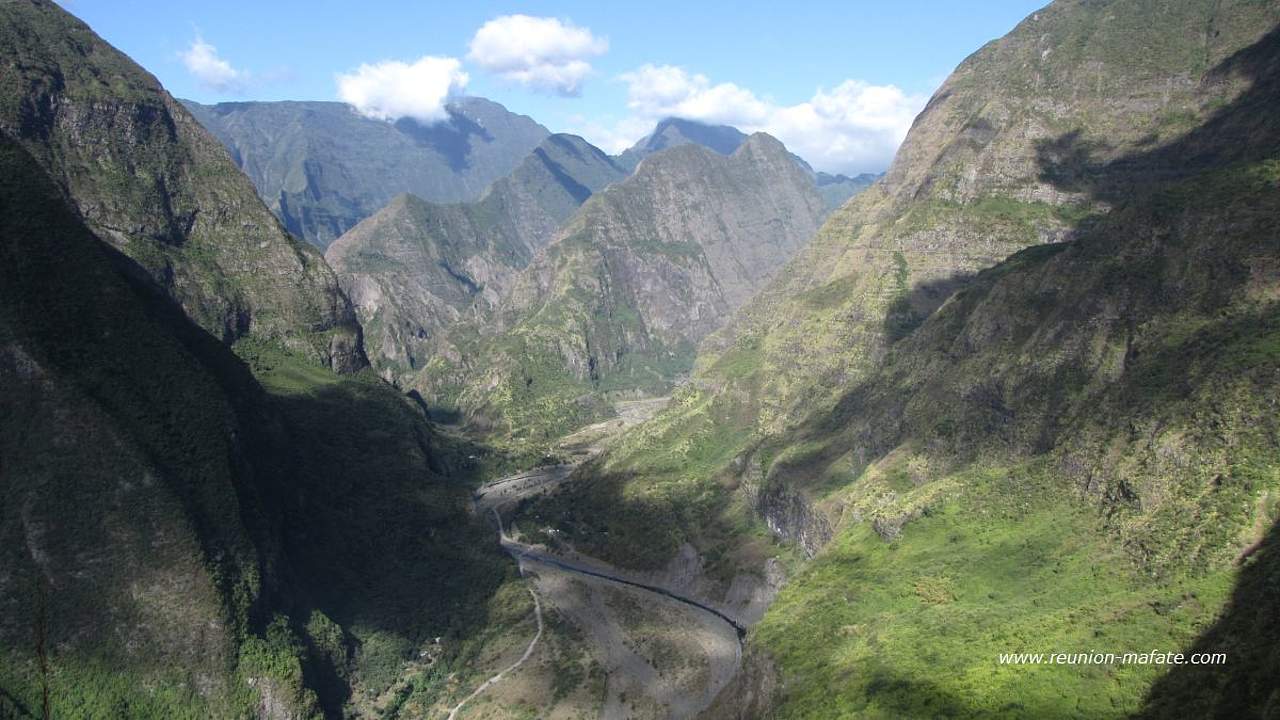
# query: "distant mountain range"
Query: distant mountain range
{"points": [[643, 271], [671, 132], [322, 167], [724, 139], [414, 268]]}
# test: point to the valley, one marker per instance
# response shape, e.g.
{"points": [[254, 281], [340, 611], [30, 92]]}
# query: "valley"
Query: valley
{"points": [[405, 405], [663, 654]]}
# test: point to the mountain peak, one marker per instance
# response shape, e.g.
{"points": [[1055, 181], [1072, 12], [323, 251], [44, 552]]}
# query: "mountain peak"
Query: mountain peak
{"points": [[763, 141], [160, 190], [322, 167], [673, 131]]}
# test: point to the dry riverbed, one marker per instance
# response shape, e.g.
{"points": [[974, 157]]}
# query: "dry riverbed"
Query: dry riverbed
{"points": [[607, 648]]}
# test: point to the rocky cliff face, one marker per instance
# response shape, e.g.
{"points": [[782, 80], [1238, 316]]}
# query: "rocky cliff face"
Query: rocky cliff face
{"points": [[189, 531], [156, 186], [642, 272], [415, 268], [986, 170], [321, 167]]}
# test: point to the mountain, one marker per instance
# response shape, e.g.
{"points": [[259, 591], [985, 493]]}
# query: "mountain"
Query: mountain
{"points": [[673, 132], [837, 189], [724, 139], [151, 182], [193, 528], [322, 167], [415, 267], [633, 281], [1013, 398]]}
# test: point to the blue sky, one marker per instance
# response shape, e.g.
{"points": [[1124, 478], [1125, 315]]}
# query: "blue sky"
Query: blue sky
{"points": [[837, 81]]}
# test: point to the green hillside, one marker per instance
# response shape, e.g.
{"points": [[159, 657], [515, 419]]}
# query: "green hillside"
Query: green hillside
{"points": [[1069, 450]]}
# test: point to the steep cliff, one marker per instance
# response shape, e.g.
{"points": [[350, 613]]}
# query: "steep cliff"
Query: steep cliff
{"points": [[155, 185], [1085, 429], [415, 268], [1020, 392], [189, 531]]}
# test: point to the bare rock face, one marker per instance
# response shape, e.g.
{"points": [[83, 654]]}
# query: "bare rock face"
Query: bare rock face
{"points": [[156, 186], [415, 268], [645, 270]]}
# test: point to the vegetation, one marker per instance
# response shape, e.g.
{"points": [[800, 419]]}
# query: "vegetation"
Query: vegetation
{"points": [[914, 627], [1017, 399], [163, 190], [1068, 450]]}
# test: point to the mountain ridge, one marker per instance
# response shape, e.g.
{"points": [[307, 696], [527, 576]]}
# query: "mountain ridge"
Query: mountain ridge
{"points": [[151, 182], [984, 381], [414, 268], [322, 167], [642, 271]]}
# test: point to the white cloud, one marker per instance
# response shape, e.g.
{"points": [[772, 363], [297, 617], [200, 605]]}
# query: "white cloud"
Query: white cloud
{"points": [[853, 127], [612, 136], [657, 91], [541, 53], [392, 89], [202, 61]]}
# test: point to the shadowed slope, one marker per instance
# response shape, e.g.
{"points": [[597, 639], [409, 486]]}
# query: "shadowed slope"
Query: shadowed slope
{"points": [[155, 185]]}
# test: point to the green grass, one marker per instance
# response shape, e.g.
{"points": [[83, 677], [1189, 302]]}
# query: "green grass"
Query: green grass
{"points": [[914, 627], [1013, 221]]}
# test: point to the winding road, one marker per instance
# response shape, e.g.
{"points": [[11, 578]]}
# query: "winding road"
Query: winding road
{"points": [[500, 493], [537, 609], [520, 552]]}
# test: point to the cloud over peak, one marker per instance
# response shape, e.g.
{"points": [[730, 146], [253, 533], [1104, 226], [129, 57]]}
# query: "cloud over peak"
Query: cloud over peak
{"points": [[392, 89], [853, 127], [667, 90], [214, 73], [542, 53]]}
